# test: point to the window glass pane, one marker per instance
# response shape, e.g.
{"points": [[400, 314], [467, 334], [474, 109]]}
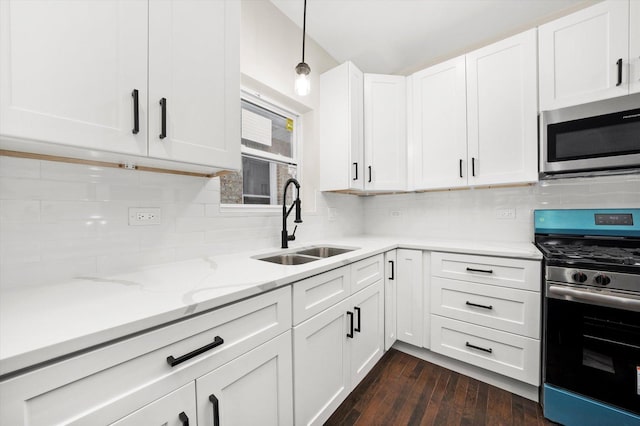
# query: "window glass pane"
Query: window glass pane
{"points": [[261, 181], [253, 133]]}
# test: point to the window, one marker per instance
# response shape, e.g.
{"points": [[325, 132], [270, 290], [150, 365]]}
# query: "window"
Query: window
{"points": [[269, 155]]}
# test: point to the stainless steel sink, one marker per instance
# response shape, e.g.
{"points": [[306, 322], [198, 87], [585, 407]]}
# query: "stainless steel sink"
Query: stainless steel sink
{"points": [[324, 252], [305, 255], [289, 259]]}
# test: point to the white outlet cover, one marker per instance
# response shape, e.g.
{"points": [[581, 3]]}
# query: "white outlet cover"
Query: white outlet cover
{"points": [[508, 213], [144, 216]]}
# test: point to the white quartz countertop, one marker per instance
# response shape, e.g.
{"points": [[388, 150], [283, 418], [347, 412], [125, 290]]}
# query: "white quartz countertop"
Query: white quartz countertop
{"points": [[41, 323]]}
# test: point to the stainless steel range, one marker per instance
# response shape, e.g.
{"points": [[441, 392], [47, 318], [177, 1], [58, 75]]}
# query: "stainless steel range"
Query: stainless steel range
{"points": [[591, 315]]}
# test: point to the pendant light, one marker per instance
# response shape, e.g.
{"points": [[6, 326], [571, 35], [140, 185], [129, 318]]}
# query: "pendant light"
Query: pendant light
{"points": [[303, 84]]}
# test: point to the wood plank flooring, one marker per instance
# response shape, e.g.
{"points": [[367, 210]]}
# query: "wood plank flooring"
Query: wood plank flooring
{"points": [[404, 390]]}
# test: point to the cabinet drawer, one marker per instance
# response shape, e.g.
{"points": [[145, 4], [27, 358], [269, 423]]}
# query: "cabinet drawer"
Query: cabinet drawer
{"points": [[366, 272], [167, 410], [505, 272], [315, 294], [507, 309], [105, 384], [514, 356]]}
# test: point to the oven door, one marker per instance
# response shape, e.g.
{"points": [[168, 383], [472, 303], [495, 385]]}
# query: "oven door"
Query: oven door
{"points": [[593, 351], [598, 136]]}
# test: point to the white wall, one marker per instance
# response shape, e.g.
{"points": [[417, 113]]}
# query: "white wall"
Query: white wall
{"points": [[60, 220], [471, 214]]}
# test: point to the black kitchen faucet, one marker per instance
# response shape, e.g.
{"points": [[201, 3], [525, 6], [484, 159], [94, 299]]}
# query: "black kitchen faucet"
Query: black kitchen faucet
{"points": [[285, 213]]}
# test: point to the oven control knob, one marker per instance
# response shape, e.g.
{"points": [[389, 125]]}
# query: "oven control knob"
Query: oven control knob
{"points": [[579, 277], [602, 279]]}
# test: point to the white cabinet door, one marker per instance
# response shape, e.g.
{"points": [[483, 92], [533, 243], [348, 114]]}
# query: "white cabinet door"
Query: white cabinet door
{"points": [[68, 70], [634, 47], [255, 388], [502, 112], [390, 298], [367, 345], [321, 367], [341, 129], [439, 120], [176, 409], [385, 129], [410, 296], [194, 67], [579, 55]]}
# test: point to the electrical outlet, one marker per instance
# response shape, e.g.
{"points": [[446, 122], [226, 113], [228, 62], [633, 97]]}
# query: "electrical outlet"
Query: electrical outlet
{"points": [[395, 213], [332, 214], [141, 216], [506, 213]]}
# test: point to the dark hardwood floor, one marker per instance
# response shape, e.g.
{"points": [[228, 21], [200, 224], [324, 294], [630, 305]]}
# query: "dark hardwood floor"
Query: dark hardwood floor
{"points": [[404, 390]]}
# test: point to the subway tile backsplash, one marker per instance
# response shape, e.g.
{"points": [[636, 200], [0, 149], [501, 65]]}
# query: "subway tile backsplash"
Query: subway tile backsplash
{"points": [[60, 220]]}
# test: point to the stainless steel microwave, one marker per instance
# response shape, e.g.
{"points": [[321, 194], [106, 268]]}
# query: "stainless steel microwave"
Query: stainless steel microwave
{"points": [[594, 138]]}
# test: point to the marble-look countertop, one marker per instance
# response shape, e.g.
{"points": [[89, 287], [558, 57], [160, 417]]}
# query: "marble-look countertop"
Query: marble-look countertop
{"points": [[41, 323]]}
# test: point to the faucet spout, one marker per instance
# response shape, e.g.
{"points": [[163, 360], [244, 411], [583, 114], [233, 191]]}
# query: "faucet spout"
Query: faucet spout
{"points": [[286, 212]]}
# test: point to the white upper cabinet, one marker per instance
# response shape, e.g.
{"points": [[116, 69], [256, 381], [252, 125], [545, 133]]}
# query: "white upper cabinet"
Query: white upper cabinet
{"points": [[439, 126], [194, 63], [502, 119], [634, 47], [84, 84], [362, 131], [342, 129], [584, 56], [385, 130], [68, 70]]}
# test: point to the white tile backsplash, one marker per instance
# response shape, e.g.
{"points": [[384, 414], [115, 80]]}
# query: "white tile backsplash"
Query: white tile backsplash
{"points": [[60, 220], [471, 214]]}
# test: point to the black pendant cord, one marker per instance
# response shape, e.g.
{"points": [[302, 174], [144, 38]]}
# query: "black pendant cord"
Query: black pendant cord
{"points": [[304, 27]]}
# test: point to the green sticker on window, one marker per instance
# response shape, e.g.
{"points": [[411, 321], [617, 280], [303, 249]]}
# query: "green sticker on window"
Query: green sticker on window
{"points": [[289, 124]]}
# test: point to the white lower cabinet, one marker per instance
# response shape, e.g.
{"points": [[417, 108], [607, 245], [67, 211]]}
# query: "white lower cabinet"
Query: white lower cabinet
{"points": [[409, 314], [334, 350], [176, 409], [255, 388]]}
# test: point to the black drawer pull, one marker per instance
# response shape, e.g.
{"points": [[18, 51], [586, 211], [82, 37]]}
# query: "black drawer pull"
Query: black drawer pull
{"points": [[486, 271], [216, 409], [473, 166], [136, 112], [217, 341], [350, 333], [369, 174], [183, 418], [619, 64], [392, 277], [469, 345], [461, 167], [163, 124], [479, 306], [356, 174], [357, 326]]}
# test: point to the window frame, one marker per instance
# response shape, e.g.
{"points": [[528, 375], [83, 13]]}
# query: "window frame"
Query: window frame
{"points": [[296, 148]]}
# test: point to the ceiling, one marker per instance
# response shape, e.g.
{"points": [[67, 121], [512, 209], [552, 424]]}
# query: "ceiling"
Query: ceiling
{"points": [[402, 36]]}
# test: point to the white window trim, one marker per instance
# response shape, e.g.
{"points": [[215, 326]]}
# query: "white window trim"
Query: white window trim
{"points": [[267, 103]]}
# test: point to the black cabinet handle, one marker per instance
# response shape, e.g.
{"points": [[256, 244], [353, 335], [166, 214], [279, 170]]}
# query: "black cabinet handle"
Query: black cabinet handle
{"points": [[356, 174], [461, 167], [486, 271], [136, 112], [392, 277], [469, 345], [369, 174], [350, 334], [619, 64], [216, 409], [163, 125], [357, 309], [217, 341], [473, 166], [479, 306], [183, 418]]}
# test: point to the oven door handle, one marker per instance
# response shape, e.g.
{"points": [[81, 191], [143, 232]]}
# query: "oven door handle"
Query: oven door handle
{"points": [[628, 303]]}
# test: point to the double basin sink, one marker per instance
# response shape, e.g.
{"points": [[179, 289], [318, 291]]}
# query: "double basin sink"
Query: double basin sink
{"points": [[305, 255]]}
